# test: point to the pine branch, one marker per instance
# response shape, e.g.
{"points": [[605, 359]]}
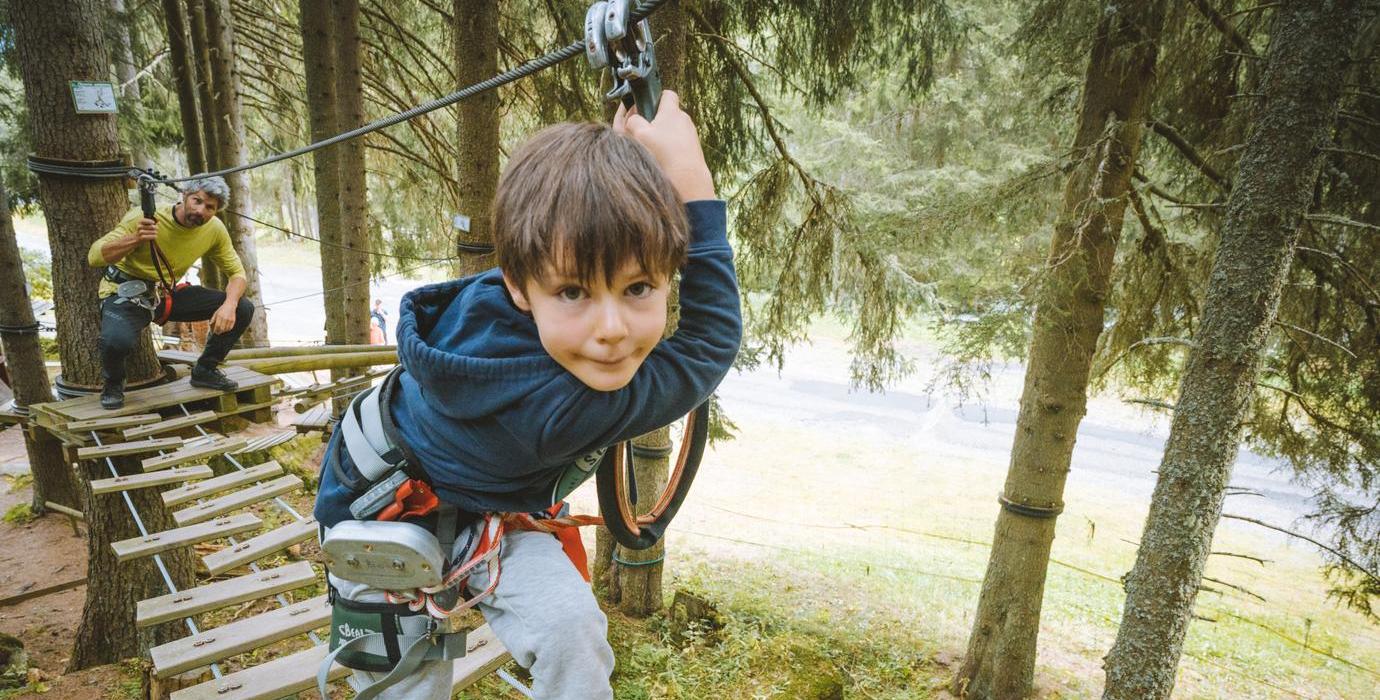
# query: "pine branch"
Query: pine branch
{"points": [[1255, 559], [1327, 340], [1341, 221], [1173, 136], [1350, 152], [1236, 587], [1222, 25], [1373, 576], [1154, 403]]}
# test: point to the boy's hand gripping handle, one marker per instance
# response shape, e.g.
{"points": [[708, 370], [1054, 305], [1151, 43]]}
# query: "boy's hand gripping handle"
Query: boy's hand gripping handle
{"points": [[628, 53]]}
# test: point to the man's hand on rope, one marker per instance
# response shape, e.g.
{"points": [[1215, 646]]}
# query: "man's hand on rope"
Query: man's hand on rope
{"points": [[147, 231], [672, 140]]}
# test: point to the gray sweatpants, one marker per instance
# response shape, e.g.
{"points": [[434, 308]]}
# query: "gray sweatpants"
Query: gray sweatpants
{"points": [[544, 613]]}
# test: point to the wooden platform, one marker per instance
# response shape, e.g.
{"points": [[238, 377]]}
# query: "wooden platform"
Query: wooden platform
{"points": [[253, 388]]}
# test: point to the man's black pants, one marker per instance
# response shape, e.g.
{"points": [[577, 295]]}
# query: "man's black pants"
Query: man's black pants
{"points": [[122, 323]]}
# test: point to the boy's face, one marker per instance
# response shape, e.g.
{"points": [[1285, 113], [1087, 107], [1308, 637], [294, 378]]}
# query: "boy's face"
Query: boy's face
{"points": [[600, 333]]}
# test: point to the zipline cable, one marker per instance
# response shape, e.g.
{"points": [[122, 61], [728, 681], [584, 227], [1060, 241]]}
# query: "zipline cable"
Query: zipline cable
{"points": [[644, 9]]}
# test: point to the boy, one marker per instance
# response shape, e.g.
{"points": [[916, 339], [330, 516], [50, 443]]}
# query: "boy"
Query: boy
{"points": [[513, 374]]}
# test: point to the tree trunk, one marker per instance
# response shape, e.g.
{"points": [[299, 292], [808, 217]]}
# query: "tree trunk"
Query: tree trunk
{"points": [[78, 211], [52, 476], [205, 90], [125, 72], [1000, 660], [1304, 70], [205, 86], [319, 57], [184, 76], [354, 196], [477, 120], [635, 586], [220, 33]]}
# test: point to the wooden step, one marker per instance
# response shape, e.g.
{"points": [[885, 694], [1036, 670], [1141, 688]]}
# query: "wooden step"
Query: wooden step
{"points": [[296, 673], [78, 426], [170, 424], [239, 477], [282, 677], [136, 547], [194, 601], [158, 478], [483, 655], [119, 449], [216, 507], [259, 547], [189, 454], [314, 419], [250, 633]]}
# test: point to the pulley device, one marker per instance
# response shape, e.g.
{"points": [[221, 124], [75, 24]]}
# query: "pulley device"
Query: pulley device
{"points": [[627, 52]]}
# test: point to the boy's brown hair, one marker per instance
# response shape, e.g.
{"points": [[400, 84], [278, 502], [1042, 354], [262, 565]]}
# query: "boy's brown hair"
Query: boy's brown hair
{"points": [[581, 200]]}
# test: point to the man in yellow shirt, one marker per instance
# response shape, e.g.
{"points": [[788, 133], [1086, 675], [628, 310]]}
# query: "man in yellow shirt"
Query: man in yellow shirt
{"points": [[130, 292]]}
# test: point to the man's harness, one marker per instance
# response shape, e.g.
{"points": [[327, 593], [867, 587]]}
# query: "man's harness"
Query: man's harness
{"points": [[154, 297]]}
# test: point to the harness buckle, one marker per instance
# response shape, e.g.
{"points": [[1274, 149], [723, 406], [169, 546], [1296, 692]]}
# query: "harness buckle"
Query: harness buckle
{"points": [[413, 498]]}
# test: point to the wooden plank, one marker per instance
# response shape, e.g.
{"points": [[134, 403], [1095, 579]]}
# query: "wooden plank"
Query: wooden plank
{"points": [[189, 454], [198, 600], [113, 423], [250, 633], [217, 507], [483, 655], [153, 398], [159, 478], [314, 419], [259, 547], [284, 676], [119, 449], [179, 357], [296, 673], [136, 547], [239, 477], [170, 424]]}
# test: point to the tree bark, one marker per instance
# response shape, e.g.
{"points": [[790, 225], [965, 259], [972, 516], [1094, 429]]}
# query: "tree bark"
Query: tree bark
{"points": [[201, 64], [205, 90], [354, 195], [78, 211], [125, 72], [477, 120], [1303, 77], [53, 479], [1069, 315], [184, 76], [319, 57], [220, 34]]}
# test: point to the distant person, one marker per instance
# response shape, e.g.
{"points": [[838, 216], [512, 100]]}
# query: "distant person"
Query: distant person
{"points": [[375, 333], [380, 316], [130, 291]]}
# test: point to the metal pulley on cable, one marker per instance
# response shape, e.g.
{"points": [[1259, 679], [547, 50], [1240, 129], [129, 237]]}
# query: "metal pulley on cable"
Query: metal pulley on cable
{"points": [[627, 52]]}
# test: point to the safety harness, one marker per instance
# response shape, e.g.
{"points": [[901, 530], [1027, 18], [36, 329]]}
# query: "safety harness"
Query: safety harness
{"points": [[156, 297]]}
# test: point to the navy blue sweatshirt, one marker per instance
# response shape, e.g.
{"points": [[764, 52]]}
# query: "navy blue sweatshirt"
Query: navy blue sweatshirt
{"points": [[494, 420]]}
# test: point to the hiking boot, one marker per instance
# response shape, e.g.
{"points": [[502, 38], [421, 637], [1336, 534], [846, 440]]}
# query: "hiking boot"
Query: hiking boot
{"points": [[212, 378], [113, 396]]}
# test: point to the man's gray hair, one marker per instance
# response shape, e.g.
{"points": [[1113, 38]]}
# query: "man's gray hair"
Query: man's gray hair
{"points": [[214, 186]]}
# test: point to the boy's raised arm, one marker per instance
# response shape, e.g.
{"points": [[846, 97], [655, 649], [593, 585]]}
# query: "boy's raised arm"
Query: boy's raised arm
{"points": [[672, 140]]}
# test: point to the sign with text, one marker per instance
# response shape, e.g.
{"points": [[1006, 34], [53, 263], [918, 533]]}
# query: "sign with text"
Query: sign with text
{"points": [[93, 97]]}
